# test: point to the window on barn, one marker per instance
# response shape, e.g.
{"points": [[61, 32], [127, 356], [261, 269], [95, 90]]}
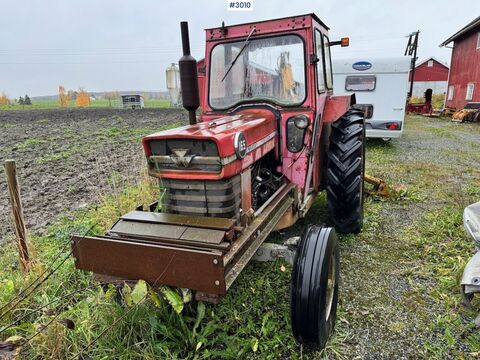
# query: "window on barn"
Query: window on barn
{"points": [[478, 41], [430, 63], [451, 88], [470, 87]]}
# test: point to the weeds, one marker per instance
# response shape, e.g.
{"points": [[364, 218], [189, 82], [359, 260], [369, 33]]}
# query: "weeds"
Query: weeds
{"points": [[62, 155], [441, 132], [30, 143]]}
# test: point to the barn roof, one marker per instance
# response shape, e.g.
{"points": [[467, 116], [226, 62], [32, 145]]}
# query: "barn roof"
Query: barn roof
{"points": [[434, 59], [470, 26]]}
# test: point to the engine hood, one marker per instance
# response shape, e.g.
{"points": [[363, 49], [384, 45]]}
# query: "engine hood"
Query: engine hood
{"points": [[227, 145]]}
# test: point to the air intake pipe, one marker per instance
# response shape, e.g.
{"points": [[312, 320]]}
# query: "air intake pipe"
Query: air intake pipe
{"points": [[188, 76]]}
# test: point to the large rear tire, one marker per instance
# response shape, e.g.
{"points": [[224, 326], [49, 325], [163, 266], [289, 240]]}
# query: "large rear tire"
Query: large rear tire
{"points": [[314, 288], [345, 172]]}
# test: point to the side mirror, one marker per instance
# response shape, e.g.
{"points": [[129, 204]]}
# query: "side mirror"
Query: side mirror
{"points": [[343, 42]]}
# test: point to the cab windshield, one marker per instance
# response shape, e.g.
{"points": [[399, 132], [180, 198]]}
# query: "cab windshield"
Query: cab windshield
{"points": [[269, 69]]}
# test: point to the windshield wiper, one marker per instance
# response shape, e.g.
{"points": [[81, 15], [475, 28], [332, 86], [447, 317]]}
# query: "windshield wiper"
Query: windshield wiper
{"points": [[245, 44]]}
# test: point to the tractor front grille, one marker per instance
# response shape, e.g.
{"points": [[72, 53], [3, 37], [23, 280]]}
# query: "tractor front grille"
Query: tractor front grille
{"points": [[184, 154], [213, 198]]}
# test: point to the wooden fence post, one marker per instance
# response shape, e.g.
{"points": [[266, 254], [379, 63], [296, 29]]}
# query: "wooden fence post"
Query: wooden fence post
{"points": [[17, 213]]}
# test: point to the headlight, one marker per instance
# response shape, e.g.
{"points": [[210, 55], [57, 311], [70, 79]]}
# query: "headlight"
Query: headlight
{"points": [[301, 122], [296, 130], [240, 145]]}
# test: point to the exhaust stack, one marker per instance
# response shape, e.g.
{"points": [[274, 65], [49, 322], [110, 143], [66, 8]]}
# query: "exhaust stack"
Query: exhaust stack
{"points": [[188, 76]]}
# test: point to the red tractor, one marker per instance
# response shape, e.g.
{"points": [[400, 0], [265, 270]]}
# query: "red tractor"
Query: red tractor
{"points": [[270, 137]]}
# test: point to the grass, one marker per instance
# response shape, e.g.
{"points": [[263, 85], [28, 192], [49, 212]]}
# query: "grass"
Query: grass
{"points": [[437, 100], [61, 155], [400, 275], [153, 330], [30, 143], [100, 103]]}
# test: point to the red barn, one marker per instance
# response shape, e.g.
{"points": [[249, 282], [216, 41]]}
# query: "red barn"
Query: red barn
{"points": [[430, 74], [464, 78]]}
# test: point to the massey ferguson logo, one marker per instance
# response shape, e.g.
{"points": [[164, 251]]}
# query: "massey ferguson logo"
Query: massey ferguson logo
{"points": [[362, 65], [180, 157]]}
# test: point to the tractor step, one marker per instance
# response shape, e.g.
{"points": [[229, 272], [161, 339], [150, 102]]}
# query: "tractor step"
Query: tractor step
{"points": [[190, 231]]}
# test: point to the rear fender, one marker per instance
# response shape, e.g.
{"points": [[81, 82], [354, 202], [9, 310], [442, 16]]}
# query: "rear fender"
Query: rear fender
{"points": [[336, 106]]}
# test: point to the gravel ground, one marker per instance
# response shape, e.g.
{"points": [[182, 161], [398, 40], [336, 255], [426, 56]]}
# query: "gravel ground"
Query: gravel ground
{"points": [[389, 301], [67, 159]]}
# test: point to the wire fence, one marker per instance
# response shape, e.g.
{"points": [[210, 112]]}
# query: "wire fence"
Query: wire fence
{"points": [[40, 279]]}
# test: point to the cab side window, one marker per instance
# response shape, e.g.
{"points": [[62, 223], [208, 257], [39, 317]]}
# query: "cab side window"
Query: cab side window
{"points": [[328, 62], [320, 67]]}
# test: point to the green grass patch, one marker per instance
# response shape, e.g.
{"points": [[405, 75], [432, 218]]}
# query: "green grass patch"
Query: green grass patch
{"points": [[445, 249], [7, 126], [62, 155], [30, 143], [442, 132], [125, 133], [99, 103]]}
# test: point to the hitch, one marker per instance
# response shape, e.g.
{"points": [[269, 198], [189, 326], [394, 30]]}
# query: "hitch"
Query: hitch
{"points": [[379, 188]]}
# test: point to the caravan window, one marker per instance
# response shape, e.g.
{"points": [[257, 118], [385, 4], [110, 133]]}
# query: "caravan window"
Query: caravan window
{"points": [[360, 83]]}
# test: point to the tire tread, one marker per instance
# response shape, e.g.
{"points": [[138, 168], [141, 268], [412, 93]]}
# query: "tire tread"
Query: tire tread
{"points": [[345, 172]]}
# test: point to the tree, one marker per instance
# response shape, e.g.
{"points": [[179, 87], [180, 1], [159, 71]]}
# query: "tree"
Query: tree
{"points": [[83, 98], [21, 101], [27, 100], [4, 100], [63, 97], [111, 95]]}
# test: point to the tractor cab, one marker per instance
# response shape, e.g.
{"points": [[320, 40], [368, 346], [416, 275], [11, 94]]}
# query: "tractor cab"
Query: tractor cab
{"points": [[284, 63]]}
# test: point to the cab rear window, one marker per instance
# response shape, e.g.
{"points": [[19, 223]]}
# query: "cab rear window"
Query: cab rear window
{"points": [[360, 83]]}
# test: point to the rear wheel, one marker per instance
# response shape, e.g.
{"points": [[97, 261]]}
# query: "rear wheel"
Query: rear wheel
{"points": [[314, 289], [345, 173]]}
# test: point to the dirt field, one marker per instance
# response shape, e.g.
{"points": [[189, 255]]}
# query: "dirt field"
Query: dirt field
{"points": [[66, 159]]}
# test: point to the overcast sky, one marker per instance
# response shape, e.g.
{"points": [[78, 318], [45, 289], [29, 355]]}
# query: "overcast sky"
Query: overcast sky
{"points": [[127, 45]]}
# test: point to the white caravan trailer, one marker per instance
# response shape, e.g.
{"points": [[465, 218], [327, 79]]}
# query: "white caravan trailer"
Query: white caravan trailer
{"points": [[380, 87]]}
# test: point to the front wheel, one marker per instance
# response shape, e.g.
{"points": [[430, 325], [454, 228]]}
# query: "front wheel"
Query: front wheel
{"points": [[314, 288], [345, 172]]}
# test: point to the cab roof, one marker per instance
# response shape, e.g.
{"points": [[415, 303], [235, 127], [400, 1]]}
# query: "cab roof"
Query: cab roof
{"points": [[283, 24]]}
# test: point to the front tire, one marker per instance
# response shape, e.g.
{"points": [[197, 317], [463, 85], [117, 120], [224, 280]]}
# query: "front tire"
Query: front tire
{"points": [[345, 172], [314, 288]]}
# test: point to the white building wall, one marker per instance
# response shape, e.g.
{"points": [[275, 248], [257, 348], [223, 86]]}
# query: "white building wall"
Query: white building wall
{"points": [[438, 87]]}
